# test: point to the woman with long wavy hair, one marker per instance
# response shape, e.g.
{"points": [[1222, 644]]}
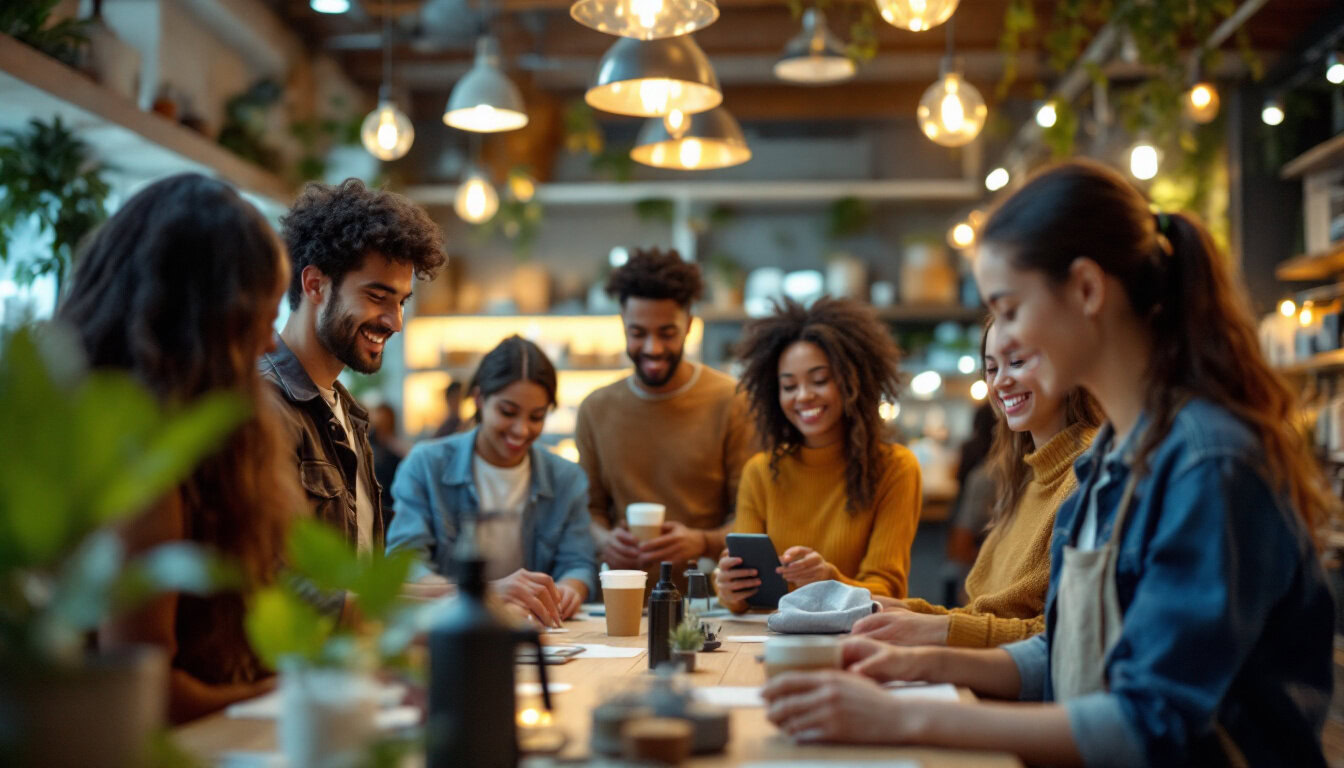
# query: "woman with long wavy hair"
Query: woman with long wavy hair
{"points": [[1188, 621], [837, 501], [180, 289], [1037, 437]]}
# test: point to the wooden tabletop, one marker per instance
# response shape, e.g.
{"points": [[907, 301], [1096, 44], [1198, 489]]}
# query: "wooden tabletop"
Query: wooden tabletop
{"points": [[752, 737]]}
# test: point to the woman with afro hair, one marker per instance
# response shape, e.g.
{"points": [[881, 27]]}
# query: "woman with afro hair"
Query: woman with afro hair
{"points": [[837, 502]]}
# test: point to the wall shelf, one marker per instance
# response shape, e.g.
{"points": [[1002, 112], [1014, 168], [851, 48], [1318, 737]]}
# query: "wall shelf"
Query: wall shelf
{"points": [[1320, 265], [34, 85], [911, 313], [1324, 155]]}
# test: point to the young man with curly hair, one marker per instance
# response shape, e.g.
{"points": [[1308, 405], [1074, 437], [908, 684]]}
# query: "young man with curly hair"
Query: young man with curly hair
{"points": [[675, 432], [355, 253]]}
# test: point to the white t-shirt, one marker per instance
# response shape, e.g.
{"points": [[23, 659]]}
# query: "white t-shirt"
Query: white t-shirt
{"points": [[502, 492], [363, 500]]}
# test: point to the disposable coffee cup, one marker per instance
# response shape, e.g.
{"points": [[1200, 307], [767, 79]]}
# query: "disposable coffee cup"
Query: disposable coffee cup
{"points": [[800, 654], [623, 596], [645, 520]]}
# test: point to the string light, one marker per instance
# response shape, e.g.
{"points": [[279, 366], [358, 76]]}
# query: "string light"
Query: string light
{"points": [[997, 179], [1272, 113], [1143, 161], [1046, 116], [1287, 308], [979, 390], [1202, 102]]}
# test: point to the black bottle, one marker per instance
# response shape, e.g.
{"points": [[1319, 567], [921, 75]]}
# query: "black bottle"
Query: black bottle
{"points": [[664, 614], [471, 684]]}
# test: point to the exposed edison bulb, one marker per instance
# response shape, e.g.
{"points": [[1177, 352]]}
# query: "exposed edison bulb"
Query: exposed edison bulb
{"points": [[1272, 113], [1287, 308], [387, 132], [916, 15], [1143, 161], [476, 201], [676, 123], [1304, 317], [690, 153], [646, 12], [1047, 115], [952, 112], [979, 390], [1202, 102], [656, 93], [997, 179], [962, 235]]}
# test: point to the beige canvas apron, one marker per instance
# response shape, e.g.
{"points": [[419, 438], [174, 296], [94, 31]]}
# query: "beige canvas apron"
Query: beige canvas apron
{"points": [[1088, 620]]}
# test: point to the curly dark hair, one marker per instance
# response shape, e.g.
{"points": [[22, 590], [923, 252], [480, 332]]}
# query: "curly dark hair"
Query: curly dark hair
{"points": [[656, 274], [333, 227], [865, 363]]}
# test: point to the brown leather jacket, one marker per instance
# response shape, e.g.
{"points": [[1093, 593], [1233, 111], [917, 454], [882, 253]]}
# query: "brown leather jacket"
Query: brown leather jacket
{"points": [[326, 458]]}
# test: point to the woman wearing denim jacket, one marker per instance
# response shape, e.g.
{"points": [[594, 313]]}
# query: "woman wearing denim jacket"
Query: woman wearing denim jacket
{"points": [[1187, 618], [529, 506]]}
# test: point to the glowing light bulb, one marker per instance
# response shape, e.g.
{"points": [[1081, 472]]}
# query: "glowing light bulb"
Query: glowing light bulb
{"points": [[1272, 114], [1304, 317], [951, 112], [997, 179], [966, 364], [476, 201], [979, 390], [926, 383], [654, 95], [1202, 102], [1334, 68], [647, 11], [1046, 116], [675, 123], [330, 6], [1287, 308], [387, 132], [962, 235], [951, 109], [1143, 161], [916, 15], [690, 153]]}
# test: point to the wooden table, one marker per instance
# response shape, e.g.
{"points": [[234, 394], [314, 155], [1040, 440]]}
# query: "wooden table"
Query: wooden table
{"points": [[752, 737]]}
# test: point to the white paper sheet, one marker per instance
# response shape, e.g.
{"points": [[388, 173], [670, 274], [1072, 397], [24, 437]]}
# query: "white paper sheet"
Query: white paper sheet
{"points": [[599, 651], [745, 638], [534, 689], [731, 696]]}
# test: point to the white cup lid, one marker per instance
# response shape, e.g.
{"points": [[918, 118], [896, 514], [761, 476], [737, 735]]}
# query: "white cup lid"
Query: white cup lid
{"points": [[623, 579], [645, 513]]}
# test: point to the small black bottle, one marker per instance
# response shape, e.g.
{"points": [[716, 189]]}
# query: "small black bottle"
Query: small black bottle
{"points": [[664, 614]]}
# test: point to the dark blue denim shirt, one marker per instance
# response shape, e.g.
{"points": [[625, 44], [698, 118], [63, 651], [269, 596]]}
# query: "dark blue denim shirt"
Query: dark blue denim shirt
{"points": [[1228, 620], [434, 488]]}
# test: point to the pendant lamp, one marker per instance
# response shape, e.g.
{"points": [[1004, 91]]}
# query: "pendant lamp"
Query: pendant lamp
{"points": [[696, 142], [485, 100], [654, 77], [814, 56]]}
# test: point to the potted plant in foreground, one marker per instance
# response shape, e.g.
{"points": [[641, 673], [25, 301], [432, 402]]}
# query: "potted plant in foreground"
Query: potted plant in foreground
{"points": [[687, 639], [82, 452]]}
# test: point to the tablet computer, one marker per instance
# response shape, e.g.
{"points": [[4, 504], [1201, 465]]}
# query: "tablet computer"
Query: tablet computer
{"points": [[757, 551]]}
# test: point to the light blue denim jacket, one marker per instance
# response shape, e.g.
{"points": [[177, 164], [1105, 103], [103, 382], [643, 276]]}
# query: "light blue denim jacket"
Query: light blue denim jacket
{"points": [[1228, 620], [434, 488]]}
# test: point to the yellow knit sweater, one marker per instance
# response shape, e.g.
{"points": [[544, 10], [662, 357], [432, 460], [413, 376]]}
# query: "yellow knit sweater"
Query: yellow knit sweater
{"points": [[805, 506], [1008, 582]]}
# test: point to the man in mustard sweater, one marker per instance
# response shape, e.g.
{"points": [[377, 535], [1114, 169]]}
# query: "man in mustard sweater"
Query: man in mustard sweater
{"points": [[675, 432]]}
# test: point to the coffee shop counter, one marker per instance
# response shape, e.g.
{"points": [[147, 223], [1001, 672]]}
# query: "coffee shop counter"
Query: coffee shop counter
{"points": [[751, 736]]}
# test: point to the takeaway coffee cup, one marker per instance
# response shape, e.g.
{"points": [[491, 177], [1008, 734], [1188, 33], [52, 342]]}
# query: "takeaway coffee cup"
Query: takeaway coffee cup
{"points": [[645, 520], [800, 654], [623, 596]]}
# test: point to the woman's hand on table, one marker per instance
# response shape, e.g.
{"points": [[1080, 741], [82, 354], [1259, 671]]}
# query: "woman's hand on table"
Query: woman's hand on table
{"points": [[734, 585], [572, 594], [534, 592], [834, 706], [804, 565], [900, 626], [885, 663]]}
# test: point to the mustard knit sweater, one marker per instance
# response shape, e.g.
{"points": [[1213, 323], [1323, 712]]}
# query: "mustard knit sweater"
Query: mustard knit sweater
{"points": [[1008, 582], [805, 506]]}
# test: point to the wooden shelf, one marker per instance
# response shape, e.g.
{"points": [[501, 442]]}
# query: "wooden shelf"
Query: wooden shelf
{"points": [[1324, 155], [1325, 361], [752, 193], [912, 313], [1321, 265], [127, 139]]}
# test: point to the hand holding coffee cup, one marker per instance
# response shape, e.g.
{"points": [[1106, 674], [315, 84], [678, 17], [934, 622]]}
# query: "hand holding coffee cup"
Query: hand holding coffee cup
{"points": [[733, 583], [795, 653], [645, 520], [623, 596]]}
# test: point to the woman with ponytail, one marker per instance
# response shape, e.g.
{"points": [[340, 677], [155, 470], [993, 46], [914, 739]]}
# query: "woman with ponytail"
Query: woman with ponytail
{"points": [[1187, 619]]}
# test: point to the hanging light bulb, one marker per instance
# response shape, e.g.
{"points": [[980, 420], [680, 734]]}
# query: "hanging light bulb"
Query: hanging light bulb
{"points": [[476, 201], [704, 141], [1046, 116], [952, 111], [979, 389], [1143, 161], [645, 19], [1202, 102], [916, 15], [961, 236], [330, 6], [1287, 308], [651, 78], [814, 56], [997, 179], [1334, 68], [387, 132], [1272, 113], [485, 100]]}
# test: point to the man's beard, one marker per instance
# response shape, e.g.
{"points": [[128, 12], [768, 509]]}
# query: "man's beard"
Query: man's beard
{"points": [[673, 361], [337, 331]]}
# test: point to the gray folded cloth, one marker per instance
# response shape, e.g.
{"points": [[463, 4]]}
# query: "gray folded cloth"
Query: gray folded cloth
{"points": [[821, 607]]}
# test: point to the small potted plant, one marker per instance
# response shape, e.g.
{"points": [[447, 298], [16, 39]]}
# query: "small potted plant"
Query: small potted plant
{"points": [[687, 639]]}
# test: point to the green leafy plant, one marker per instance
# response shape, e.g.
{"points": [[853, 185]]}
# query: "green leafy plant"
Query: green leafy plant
{"points": [[47, 173], [848, 217], [687, 636], [27, 22], [317, 135], [283, 625], [88, 451], [245, 123]]}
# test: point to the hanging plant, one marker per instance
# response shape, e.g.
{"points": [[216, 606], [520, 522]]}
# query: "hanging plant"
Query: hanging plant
{"points": [[26, 21], [49, 174]]}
